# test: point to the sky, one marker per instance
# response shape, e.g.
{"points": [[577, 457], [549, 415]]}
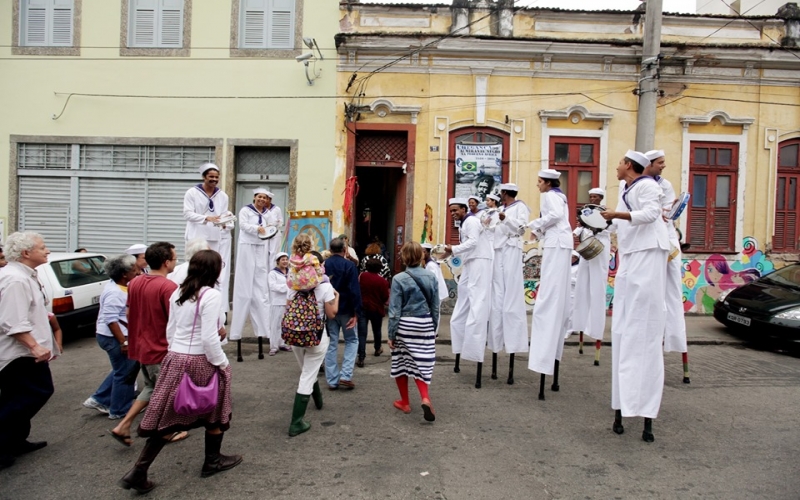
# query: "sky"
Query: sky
{"points": [[684, 6]]}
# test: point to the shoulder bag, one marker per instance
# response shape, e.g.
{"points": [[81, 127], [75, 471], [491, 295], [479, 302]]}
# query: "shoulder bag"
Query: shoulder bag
{"points": [[425, 291]]}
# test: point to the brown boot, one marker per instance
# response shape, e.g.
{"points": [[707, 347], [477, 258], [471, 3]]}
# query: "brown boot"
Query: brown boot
{"points": [[215, 461], [136, 478]]}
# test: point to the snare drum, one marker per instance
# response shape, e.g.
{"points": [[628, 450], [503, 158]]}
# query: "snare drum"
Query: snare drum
{"points": [[679, 206], [270, 233], [590, 217], [590, 248]]}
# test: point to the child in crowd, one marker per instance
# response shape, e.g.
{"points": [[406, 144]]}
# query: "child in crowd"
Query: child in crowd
{"points": [[305, 271]]}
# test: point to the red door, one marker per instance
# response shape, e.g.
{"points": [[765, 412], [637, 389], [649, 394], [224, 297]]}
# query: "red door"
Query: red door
{"points": [[578, 160]]}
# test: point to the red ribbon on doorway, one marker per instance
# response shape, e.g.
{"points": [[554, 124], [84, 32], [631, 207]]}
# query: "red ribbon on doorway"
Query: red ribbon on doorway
{"points": [[350, 192]]}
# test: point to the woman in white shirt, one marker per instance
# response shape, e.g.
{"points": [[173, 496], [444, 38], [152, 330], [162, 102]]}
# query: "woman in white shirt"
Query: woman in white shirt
{"points": [[310, 358], [195, 349]]}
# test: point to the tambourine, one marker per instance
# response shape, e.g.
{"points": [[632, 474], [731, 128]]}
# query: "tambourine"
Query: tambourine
{"points": [[439, 254], [488, 218], [591, 217], [679, 206], [270, 233], [225, 218]]}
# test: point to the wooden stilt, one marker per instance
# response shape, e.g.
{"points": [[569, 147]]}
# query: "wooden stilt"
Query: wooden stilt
{"points": [[597, 345], [555, 387], [685, 357], [541, 388], [618, 428], [647, 434], [580, 342], [457, 368], [260, 348], [239, 351], [478, 376], [494, 366], [510, 380]]}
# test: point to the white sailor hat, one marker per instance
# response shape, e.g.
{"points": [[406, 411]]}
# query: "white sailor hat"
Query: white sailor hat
{"points": [[509, 186], [655, 154], [493, 196], [474, 197], [280, 254], [205, 167], [260, 191], [136, 249], [549, 173], [637, 157], [457, 201], [599, 191], [427, 246]]}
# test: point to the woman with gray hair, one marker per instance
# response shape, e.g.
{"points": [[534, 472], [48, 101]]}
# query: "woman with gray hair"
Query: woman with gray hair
{"points": [[192, 247], [115, 396]]}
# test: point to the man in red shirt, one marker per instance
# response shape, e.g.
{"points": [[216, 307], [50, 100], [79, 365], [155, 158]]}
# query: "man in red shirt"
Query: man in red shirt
{"points": [[374, 297], [148, 312]]}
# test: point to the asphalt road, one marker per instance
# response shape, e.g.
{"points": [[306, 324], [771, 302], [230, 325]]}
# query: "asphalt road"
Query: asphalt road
{"points": [[732, 433]]}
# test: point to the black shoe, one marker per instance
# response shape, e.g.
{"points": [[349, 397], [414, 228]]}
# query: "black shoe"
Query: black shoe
{"points": [[29, 446], [360, 362], [6, 461]]}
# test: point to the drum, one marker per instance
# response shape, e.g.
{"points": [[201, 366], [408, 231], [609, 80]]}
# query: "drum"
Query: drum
{"points": [[270, 233], [225, 218], [673, 252], [679, 206], [590, 217], [438, 254], [489, 218], [590, 248]]}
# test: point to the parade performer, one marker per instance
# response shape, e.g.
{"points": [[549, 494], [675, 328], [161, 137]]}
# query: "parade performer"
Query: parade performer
{"points": [[278, 291], [470, 320], [508, 322], [637, 329], [250, 293], [551, 312], [675, 332], [274, 218], [589, 309], [436, 268]]}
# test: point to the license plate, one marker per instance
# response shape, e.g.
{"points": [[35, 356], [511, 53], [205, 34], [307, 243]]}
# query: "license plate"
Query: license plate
{"points": [[96, 300], [739, 319]]}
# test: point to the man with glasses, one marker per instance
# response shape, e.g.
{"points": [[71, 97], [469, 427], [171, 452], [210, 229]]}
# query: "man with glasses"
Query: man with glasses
{"points": [[27, 345]]}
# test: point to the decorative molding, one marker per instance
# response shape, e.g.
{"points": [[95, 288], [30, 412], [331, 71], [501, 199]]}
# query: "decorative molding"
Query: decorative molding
{"points": [[583, 113], [723, 117], [384, 107]]}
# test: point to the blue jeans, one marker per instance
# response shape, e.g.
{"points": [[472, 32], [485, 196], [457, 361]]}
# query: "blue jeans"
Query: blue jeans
{"points": [[114, 393], [350, 349]]}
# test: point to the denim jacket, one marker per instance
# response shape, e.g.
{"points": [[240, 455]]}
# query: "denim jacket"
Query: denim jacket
{"points": [[407, 300]]}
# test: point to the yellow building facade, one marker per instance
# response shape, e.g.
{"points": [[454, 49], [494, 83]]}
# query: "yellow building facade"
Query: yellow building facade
{"points": [[437, 101], [110, 107]]}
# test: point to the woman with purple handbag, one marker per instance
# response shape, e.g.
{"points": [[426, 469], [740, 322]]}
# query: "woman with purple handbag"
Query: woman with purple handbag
{"points": [[194, 386]]}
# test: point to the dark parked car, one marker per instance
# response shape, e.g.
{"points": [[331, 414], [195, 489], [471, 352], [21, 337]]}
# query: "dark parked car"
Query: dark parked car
{"points": [[766, 308]]}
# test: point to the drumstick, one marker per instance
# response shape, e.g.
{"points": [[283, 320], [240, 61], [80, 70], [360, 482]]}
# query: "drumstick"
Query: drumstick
{"points": [[685, 357], [494, 366], [597, 346], [580, 342]]}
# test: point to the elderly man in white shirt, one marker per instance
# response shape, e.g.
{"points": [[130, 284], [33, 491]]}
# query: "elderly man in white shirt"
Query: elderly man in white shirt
{"points": [[469, 323], [27, 345]]}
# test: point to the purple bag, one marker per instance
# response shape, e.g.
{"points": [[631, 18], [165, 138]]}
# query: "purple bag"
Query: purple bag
{"points": [[190, 398]]}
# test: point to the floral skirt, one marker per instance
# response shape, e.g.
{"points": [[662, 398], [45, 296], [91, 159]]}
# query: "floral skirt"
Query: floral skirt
{"points": [[160, 418]]}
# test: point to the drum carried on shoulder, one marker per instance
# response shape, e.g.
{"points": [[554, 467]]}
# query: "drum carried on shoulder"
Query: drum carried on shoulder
{"points": [[590, 216]]}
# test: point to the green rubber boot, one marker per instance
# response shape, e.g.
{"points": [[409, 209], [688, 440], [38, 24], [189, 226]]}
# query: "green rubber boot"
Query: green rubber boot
{"points": [[317, 396], [299, 425]]}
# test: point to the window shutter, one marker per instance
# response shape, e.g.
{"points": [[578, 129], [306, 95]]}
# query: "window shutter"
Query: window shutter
{"points": [[35, 22], [62, 23], [722, 227], [171, 23], [143, 33], [697, 227], [281, 19], [253, 34]]}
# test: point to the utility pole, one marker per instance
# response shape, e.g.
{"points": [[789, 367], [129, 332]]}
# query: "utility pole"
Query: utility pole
{"points": [[648, 83]]}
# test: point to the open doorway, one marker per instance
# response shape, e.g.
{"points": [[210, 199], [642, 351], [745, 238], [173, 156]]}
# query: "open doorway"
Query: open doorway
{"points": [[376, 210]]}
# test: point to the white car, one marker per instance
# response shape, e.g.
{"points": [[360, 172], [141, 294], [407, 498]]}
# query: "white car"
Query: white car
{"points": [[73, 283]]}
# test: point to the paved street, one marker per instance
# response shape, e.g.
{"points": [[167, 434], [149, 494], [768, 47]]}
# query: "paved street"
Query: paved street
{"points": [[732, 433]]}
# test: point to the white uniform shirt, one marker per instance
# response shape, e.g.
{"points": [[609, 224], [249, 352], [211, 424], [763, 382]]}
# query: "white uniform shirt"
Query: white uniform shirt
{"points": [[642, 199], [197, 206], [507, 230], [552, 227], [473, 245], [249, 222], [436, 269], [666, 204], [278, 288]]}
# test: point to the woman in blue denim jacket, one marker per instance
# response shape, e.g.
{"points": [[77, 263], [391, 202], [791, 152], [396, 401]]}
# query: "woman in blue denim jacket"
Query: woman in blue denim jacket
{"points": [[413, 316]]}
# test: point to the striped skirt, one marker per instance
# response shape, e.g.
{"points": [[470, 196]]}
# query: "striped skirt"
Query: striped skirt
{"points": [[160, 418], [414, 350]]}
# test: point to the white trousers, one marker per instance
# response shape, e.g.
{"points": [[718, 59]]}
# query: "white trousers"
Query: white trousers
{"points": [[551, 311], [589, 305], [310, 359], [637, 333], [225, 277], [508, 322], [675, 331], [275, 319], [469, 323], [250, 294]]}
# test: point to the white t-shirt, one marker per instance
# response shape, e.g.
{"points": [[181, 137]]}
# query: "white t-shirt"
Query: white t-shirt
{"points": [[323, 293]]}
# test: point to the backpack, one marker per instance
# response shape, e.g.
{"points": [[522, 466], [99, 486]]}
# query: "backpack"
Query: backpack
{"points": [[301, 325]]}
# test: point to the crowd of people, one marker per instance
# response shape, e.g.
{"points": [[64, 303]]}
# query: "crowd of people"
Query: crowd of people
{"points": [[167, 322]]}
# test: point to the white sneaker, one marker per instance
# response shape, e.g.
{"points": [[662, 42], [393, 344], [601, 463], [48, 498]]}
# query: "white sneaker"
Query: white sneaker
{"points": [[92, 404]]}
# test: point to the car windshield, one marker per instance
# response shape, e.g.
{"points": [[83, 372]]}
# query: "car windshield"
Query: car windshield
{"points": [[81, 271], [788, 276]]}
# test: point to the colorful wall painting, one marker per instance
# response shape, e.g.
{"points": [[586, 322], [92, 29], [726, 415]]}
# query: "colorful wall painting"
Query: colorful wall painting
{"points": [[315, 223]]}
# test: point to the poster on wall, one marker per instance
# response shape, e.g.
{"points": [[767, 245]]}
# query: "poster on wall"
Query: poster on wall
{"points": [[479, 169], [315, 223]]}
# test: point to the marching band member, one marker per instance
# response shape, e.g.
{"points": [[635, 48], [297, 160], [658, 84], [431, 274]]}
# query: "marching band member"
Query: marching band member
{"points": [[434, 267], [637, 332], [274, 218], [470, 320], [589, 310], [250, 294], [472, 203], [675, 333], [278, 291], [551, 312], [508, 321]]}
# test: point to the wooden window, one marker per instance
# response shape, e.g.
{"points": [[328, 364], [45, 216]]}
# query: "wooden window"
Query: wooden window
{"points": [[713, 180], [46, 23], [578, 160], [156, 23], [267, 24], [484, 178], [787, 232]]}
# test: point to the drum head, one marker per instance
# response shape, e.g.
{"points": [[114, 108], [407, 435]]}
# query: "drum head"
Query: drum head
{"points": [[592, 218], [679, 206], [271, 232]]}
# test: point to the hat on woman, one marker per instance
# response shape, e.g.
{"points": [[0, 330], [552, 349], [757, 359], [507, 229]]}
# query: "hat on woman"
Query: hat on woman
{"points": [[549, 173]]}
